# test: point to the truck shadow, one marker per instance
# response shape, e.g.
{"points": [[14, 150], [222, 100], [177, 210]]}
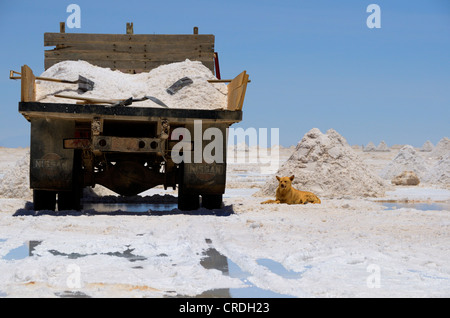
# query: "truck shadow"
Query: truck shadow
{"points": [[27, 211], [122, 206]]}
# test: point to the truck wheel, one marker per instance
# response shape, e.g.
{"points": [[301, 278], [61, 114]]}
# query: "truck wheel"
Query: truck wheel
{"points": [[187, 201], [69, 200], [212, 201], [44, 200]]}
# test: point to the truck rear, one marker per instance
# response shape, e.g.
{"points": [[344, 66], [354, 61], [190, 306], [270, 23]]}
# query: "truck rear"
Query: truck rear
{"points": [[128, 149]]}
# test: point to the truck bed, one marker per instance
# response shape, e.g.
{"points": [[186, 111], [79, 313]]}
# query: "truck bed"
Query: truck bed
{"points": [[87, 112]]}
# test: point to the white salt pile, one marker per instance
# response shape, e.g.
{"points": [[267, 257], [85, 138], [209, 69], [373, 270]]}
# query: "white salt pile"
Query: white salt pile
{"points": [[407, 159], [326, 165], [369, 147], [442, 148], [15, 183], [439, 174], [117, 85], [427, 146], [382, 146]]}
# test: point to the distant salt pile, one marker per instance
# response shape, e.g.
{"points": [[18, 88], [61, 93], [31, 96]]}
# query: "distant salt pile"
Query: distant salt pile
{"points": [[442, 148], [117, 85], [439, 174], [427, 146], [407, 159], [15, 183], [242, 146], [382, 147], [326, 165], [369, 147]]}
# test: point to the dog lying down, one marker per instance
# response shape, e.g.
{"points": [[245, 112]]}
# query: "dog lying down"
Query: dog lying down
{"points": [[287, 194]]}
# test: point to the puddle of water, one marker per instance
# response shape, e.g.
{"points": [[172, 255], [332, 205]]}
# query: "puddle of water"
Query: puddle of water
{"points": [[69, 256], [130, 207], [126, 254], [427, 275], [434, 206], [279, 269], [215, 260], [22, 251], [256, 292], [27, 249], [2, 294], [71, 294]]}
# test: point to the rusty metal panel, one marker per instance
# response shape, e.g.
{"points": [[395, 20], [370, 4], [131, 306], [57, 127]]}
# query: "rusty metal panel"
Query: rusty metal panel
{"points": [[51, 165], [205, 177], [127, 144], [77, 143]]}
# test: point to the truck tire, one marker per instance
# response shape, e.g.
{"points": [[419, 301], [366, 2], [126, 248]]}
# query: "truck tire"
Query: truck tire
{"points": [[44, 200], [69, 200], [187, 201], [212, 201]]}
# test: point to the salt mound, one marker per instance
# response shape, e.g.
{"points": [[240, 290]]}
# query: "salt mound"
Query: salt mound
{"points": [[427, 146], [407, 159], [369, 147], [117, 85], [440, 173], [326, 165], [15, 183], [442, 148], [382, 146]]}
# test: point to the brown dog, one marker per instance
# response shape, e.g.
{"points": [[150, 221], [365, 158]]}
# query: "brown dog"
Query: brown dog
{"points": [[287, 194]]}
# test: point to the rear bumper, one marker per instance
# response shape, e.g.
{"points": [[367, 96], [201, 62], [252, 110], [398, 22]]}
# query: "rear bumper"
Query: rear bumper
{"points": [[88, 112]]}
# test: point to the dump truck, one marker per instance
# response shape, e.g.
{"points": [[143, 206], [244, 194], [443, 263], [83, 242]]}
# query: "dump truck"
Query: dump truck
{"points": [[126, 149]]}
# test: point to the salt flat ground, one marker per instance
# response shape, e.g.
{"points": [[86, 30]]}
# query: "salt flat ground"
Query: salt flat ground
{"points": [[344, 247]]}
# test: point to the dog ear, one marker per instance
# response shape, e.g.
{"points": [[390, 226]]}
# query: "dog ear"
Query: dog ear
{"points": [[278, 178], [291, 177]]}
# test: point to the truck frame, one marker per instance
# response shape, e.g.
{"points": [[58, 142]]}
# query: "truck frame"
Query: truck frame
{"points": [[126, 149]]}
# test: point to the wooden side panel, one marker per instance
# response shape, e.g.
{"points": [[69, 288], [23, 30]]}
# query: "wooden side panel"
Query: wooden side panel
{"points": [[28, 85], [132, 53], [243, 90], [236, 91]]}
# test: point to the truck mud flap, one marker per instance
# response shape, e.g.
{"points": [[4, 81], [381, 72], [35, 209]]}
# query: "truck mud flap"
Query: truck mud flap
{"points": [[205, 178], [51, 166]]}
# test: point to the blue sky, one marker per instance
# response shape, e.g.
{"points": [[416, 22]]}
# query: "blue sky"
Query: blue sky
{"points": [[312, 63]]}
